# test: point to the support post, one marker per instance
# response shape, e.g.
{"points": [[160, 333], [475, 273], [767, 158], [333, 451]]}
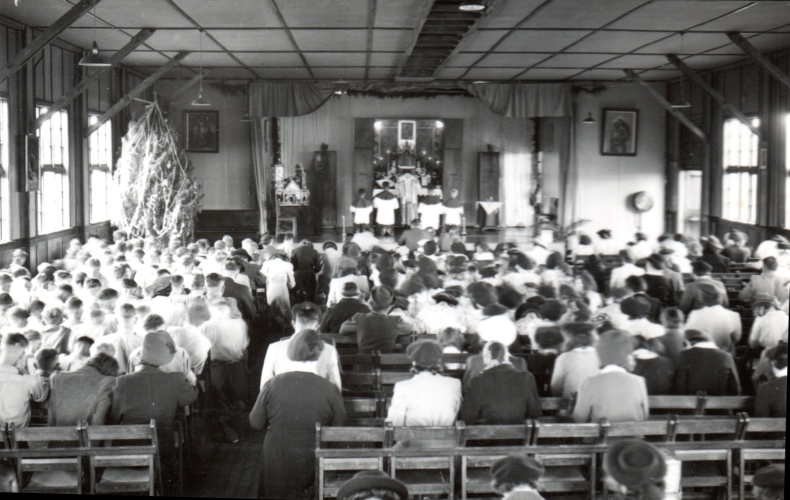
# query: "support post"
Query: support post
{"points": [[675, 60], [18, 61], [760, 59], [78, 89], [128, 98], [666, 105]]}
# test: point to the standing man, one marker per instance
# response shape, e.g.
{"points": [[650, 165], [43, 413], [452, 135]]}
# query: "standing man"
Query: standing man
{"points": [[307, 263]]}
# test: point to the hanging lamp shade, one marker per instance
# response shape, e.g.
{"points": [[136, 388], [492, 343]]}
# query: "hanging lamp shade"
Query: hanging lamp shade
{"points": [[472, 6], [589, 120], [94, 59], [681, 105], [201, 101]]}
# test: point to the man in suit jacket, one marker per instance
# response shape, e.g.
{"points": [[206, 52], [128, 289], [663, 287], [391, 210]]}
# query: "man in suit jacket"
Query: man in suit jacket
{"points": [[307, 263], [376, 330], [149, 393], [691, 300], [705, 367], [501, 395], [349, 305], [240, 293], [772, 281], [771, 401]]}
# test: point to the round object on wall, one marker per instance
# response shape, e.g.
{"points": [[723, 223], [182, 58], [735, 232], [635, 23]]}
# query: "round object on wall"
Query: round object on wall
{"points": [[642, 201]]}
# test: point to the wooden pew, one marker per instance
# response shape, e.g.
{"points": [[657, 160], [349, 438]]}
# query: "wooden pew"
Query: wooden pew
{"points": [[746, 467], [332, 472], [567, 471], [428, 473]]}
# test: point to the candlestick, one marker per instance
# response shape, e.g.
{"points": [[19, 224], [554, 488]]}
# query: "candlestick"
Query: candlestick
{"points": [[463, 225], [344, 229]]}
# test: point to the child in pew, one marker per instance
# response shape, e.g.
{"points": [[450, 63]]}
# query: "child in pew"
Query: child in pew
{"points": [[517, 477], [17, 321], [80, 353], [34, 344]]}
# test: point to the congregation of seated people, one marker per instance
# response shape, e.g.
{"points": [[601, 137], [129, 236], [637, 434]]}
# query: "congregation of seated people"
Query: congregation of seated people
{"points": [[122, 332]]}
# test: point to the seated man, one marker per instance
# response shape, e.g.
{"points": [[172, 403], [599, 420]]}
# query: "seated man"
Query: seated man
{"points": [[349, 305], [376, 330], [412, 237], [772, 281], [705, 367], [17, 390], [305, 317], [771, 399], [690, 300], [721, 324], [149, 393], [770, 324], [614, 393]]}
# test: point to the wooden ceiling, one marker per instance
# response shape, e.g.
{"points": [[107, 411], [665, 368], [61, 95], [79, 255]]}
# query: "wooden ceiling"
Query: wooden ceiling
{"points": [[423, 40]]}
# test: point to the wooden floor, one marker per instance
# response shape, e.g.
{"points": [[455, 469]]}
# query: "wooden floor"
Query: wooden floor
{"points": [[234, 470]]}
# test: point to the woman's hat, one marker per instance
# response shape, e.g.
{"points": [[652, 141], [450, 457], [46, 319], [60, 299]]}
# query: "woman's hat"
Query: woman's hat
{"points": [[772, 477], [605, 233], [693, 336], [482, 293], [158, 349], [614, 347], [350, 289], [714, 242], [517, 470], [635, 463], [425, 353], [347, 263], [458, 247], [763, 299], [446, 298], [700, 267], [494, 310], [369, 480], [635, 306]]}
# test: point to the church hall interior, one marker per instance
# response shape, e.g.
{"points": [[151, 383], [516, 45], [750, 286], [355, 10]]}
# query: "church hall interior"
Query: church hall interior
{"points": [[395, 249]]}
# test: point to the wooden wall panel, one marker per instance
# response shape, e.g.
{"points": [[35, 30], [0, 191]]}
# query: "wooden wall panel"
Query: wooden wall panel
{"points": [[453, 134], [363, 171], [321, 178], [364, 133]]}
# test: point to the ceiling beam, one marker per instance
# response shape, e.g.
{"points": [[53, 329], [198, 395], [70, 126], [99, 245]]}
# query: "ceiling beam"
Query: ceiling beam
{"points": [[474, 27], [372, 5], [676, 62], [666, 105], [92, 77], [139, 89], [191, 83], [760, 59], [415, 34], [210, 37], [18, 61], [292, 39]]}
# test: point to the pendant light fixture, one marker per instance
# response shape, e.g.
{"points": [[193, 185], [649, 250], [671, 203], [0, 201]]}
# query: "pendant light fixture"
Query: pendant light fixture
{"points": [[472, 6], [589, 120], [682, 103], [201, 101], [94, 59]]}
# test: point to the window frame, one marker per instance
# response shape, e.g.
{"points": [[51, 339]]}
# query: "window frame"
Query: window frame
{"points": [[5, 183], [106, 168], [734, 174], [60, 169]]}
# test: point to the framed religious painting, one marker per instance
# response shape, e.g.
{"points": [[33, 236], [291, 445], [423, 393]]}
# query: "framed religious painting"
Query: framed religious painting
{"points": [[618, 137], [202, 131], [32, 164]]}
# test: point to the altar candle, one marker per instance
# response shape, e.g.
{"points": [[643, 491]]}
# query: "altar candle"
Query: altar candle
{"points": [[463, 224]]}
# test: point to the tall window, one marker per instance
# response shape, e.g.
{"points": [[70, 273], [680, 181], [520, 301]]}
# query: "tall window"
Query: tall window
{"points": [[741, 149], [5, 191], [53, 194], [787, 169], [100, 164]]}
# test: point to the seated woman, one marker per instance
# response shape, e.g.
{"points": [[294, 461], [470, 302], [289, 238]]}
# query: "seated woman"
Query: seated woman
{"points": [[500, 395], [290, 405], [613, 393], [517, 477], [657, 370], [578, 362], [84, 394], [428, 399]]}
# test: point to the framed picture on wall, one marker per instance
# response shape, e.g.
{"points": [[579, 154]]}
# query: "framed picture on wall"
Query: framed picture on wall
{"points": [[32, 163], [202, 131], [618, 137]]}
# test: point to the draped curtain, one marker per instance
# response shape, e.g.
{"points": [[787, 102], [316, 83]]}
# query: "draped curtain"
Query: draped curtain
{"points": [[261, 161], [523, 100]]}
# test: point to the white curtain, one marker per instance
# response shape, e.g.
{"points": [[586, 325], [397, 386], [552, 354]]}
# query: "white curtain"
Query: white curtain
{"points": [[515, 172], [261, 157]]}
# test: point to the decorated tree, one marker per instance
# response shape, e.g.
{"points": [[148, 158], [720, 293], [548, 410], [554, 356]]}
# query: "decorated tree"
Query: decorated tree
{"points": [[158, 197]]}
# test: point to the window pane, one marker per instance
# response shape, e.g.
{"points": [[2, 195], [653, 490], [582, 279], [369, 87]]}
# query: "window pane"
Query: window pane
{"points": [[5, 193], [739, 187], [53, 197], [100, 144]]}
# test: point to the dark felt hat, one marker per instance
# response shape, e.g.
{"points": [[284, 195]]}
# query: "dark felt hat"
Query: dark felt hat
{"points": [[425, 353], [347, 263], [553, 260], [494, 310], [634, 463], [605, 233], [517, 470], [763, 299], [552, 310], [635, 306], [369, 480], [656, 260], [771, 477], [579, 329], [524, 262], [547, 291], [455, 291], [696, 336], [488, 272], [483, 294], [456, 264], [701, 267], [548, 336], [429, 247], [526, 308], [161, 286], [350, 289], [458, 248], [446, 298], [509, 298], [240, 252], [382, 296], [707, 291], [158, 349], [389, 277]]}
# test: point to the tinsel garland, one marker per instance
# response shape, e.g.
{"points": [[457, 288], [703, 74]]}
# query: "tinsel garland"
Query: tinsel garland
{"points": [[158, 198]]}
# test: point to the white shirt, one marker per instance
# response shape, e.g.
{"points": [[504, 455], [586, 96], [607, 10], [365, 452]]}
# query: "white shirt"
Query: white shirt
{"points": [[228, 338], [362, 214], [385, 214], [426, 400], [180, 364], [17, 391], [277, 362], [645, 328], [194, 343], [620, 274], [452, 216], [723, 325], [768, 330], [429, 215], [124, 344]]}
